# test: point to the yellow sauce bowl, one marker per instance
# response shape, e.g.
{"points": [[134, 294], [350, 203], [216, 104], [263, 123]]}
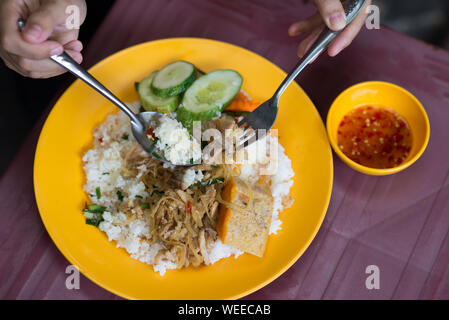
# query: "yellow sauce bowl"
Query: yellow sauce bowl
{"points": [[381, 94]]}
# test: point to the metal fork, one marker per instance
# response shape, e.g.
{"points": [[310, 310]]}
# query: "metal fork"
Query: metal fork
{"points": [[263, 118]]}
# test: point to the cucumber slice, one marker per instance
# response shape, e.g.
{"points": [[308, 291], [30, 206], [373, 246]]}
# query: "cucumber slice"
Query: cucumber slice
{"points": [[152, 102], [174, 79], [208, 96]]}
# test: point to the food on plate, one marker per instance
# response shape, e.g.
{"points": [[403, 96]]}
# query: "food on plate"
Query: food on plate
{"points": [[172, 216], [209, 96], [174, 79], [245, 216], [173, 141], [152, 102], [242, 103], [375, 136]]}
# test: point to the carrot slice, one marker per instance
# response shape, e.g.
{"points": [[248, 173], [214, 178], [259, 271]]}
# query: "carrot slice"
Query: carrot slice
{"points": [[242, 103], [228, 194]]}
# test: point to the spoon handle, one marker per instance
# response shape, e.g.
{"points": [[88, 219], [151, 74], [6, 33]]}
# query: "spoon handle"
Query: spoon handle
{"points": [[65, 61], [352, 9]]}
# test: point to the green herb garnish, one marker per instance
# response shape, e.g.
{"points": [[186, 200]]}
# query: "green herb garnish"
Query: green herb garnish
{"points": [[125, 136], [97, 211], [120, 195], [157, 192], [98, 192], [156, 155], [105, 173], [145, 205], [95, 221], [139, 197], [209, 182], [95, 208]]}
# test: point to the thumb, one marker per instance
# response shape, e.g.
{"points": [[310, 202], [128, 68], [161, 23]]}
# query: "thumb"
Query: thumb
{"points": [[333, 13], [42, 22]]}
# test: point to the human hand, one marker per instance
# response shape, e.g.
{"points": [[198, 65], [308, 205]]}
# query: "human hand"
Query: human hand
{"points": [[331, 14], [27, 52]]}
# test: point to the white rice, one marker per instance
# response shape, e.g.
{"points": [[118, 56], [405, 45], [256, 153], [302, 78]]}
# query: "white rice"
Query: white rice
{"points": [[102, 166], [175, 142], [191, 177]]}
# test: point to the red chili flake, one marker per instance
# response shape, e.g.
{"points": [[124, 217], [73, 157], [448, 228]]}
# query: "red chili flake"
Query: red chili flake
{"points": [[339, 132], [398, 137], [342, 124], [379, 133], [388, 148], [150, 132], [100, 140], [370, 134], [189, 207]]}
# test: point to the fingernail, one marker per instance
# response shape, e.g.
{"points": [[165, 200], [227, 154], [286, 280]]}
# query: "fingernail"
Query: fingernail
{"points": [[77, 46], [56, 50], [292, 31], [34, 32], [78, 58], [337, 21]]}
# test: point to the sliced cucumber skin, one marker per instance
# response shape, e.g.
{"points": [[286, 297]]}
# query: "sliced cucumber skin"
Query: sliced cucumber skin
{"points": [[151, 102], [186, 117], [178, 89]]}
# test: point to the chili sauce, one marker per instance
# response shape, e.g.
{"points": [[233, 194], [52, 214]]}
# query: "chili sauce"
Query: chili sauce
{"points": [[374, 136]]}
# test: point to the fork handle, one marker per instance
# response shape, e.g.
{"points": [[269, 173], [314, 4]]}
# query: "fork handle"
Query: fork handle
{"points": [[352, 9]]}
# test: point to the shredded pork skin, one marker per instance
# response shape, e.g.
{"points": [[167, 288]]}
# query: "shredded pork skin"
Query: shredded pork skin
{"points": [[182, 218]]}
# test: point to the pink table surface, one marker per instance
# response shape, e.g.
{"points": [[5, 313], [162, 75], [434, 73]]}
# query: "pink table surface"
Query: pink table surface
{"points": [[399, 223]]}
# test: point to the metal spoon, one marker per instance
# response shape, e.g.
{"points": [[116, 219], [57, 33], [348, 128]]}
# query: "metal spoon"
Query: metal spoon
{"points": [[139, 122]]}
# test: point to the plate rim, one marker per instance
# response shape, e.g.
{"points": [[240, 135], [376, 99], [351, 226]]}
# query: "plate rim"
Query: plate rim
{"points": [[71, 259]]}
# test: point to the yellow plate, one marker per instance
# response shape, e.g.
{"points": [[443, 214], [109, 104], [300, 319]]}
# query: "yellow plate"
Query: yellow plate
{"points": [[67, 134]]}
